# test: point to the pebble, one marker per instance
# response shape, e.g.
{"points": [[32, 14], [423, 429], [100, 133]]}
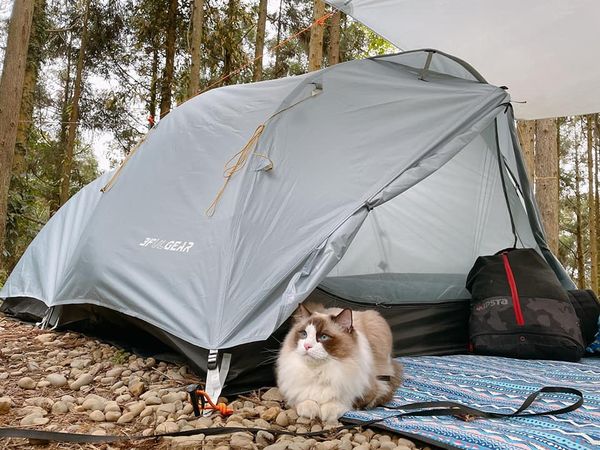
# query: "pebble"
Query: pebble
{"points": [[153, 401], [282, 419], [33, 419], [277, 446], [264, 438], [273, 394], [112, 416], [42, 402], [80, 363], [186, 442], [387, 445], [406, 443], [26, 383], [127, 417], [137, 388], [83, 380], [94, 404], [270, 413], [115, 372], [5, 404], [167, 427], [170, 398], [345, 445], [204, 422], [242, 440], [97, 416]]}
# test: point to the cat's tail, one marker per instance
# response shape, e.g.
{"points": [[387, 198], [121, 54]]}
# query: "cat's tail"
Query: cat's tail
{"points": [[397, 377]]}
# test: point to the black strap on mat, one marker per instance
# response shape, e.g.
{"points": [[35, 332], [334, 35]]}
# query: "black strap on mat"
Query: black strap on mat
{"points": [[436, 408]]}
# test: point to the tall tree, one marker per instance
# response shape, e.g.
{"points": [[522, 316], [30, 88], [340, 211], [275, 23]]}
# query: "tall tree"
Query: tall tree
{"points": [[546, 178], [34, 59], [260, 40], [315, 49], [195, 50], [592, 204], [67, 164], [277, 68], [11, 91], [578, 224], [526, 132], [166, 92], [596, 188], [333, 53]]}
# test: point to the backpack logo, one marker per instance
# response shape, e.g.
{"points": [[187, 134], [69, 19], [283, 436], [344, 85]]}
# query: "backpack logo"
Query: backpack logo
{"points": [[502, 301]]}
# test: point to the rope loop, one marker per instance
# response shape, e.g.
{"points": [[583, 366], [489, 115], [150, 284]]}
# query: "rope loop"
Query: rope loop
{"points": [[234, 165]]}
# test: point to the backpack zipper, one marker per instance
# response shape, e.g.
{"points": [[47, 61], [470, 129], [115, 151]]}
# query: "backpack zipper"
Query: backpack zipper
{"points": [[513, 290]]}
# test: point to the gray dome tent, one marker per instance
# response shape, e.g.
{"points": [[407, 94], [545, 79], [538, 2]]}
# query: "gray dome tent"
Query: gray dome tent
{"points": [[379, 180]]}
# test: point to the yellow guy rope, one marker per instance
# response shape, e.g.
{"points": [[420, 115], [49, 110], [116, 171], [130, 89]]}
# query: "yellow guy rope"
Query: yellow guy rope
{"points": [[231, 167], [113, 179]]}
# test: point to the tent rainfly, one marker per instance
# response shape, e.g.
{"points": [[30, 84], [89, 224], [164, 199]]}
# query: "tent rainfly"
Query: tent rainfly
{"points": [[544, 51], [373, 182]]}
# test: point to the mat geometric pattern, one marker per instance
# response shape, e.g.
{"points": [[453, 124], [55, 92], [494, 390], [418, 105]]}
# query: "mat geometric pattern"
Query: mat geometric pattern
{"points": [[497, 384]]}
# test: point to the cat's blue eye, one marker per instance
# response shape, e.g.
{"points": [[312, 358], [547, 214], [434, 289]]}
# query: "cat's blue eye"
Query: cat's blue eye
{"points": [[302, 334], [323, 337]]}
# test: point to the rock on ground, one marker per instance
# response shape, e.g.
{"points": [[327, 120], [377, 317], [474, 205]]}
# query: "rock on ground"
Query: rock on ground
{"points": [[64, 381]]}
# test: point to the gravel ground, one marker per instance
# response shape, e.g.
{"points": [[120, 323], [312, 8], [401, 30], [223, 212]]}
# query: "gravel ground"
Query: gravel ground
{"points": [[64, 381]]}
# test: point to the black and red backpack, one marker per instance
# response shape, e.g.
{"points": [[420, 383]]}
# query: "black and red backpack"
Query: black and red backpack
{"points": [[519, 309]]}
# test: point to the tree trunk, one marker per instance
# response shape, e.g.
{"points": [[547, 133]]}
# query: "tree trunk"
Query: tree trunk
{"points": [[526, 132], [153, 88], [578, 227], [34, 58], [592, 204], [11, 91], [277, 68], [260, 40], [546, 178], [333, 54], [228, 44], [597, 203], [166, 95], [197, 24], [67, 165], [315, 48]]}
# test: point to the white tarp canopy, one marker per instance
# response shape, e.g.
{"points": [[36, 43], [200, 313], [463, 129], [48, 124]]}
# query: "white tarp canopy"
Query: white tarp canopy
{"points": [[545, 51]]}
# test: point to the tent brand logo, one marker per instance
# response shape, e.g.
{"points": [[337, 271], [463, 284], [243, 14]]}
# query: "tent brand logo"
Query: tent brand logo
{"points": [[491, 302], [163, 244]]}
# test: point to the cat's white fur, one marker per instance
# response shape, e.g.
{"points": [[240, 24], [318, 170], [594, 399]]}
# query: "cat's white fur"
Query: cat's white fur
{"points": [[319, 385]]}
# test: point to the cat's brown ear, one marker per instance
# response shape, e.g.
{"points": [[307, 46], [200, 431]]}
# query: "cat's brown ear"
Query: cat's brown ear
{"points": [[344, 319], [302, 312]]}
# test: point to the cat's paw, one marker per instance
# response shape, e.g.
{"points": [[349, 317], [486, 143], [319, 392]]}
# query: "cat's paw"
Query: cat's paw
{"points": [[308, 408], [331, 412]]}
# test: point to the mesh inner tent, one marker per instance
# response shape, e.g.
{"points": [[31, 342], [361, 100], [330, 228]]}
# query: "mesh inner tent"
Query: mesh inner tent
{"points": [[420, 246]]}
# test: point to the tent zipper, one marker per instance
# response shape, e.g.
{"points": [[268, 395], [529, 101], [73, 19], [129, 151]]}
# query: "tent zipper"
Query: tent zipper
{"points": [[513, 290]]}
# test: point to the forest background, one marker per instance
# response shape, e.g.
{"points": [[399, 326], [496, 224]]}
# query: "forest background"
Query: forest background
{"points": [[97, 74]]}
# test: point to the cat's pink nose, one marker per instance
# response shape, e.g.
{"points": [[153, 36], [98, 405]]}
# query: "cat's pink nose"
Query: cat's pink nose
{"points": [[307, 346]]}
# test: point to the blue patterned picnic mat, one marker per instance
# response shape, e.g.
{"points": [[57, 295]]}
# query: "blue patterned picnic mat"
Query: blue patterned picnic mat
{"points": [[497, 384]]}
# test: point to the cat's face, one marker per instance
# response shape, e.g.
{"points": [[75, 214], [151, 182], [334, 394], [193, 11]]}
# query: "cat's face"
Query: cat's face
{"points": [[319, 337]]}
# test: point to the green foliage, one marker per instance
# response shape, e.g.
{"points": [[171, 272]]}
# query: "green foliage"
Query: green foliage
{"points": [[120, 357]]}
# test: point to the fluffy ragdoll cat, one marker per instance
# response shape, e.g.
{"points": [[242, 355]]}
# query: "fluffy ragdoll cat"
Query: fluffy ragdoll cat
{"points": [[334, 360]]}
